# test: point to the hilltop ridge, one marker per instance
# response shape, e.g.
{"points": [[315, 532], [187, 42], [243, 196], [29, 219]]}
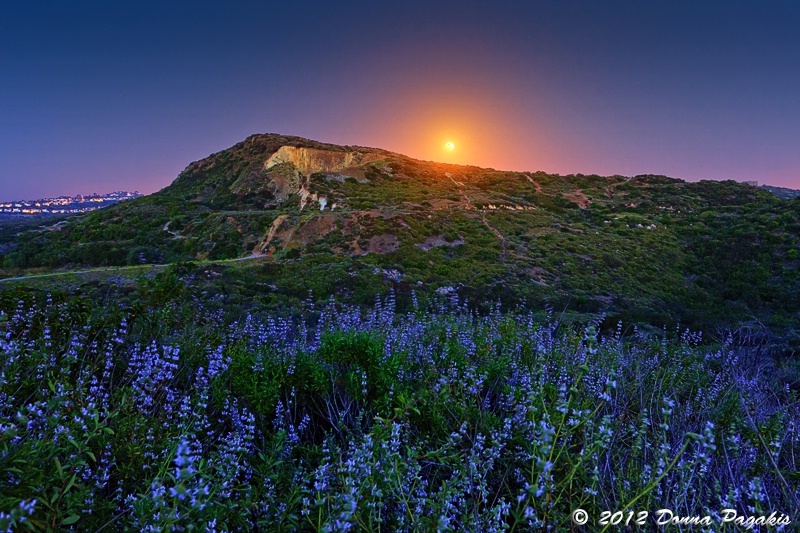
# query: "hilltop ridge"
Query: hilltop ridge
{"points": [[328, 218]]}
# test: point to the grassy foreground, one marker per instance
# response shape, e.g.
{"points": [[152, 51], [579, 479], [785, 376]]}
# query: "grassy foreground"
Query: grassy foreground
{"points": [[166, 419]]}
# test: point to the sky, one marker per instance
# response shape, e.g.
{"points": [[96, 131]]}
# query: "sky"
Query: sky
{"points": [[102, 96]]}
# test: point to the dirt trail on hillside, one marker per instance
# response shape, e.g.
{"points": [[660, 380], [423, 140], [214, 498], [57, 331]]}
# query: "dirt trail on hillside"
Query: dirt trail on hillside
{"points": [[461, 189], [271, 234], [111, 270], [535, 183], [578, 197], [175, 234], [498, 235], [610, 188]]}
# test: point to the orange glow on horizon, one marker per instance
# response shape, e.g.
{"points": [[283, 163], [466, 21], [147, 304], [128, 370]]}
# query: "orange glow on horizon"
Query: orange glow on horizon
{"points": [[456, 124]]}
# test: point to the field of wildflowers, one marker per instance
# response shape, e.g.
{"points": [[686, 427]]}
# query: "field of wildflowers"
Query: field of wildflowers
{"points": [[116, 417]]}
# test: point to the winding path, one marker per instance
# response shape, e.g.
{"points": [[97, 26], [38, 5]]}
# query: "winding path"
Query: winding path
{"points": [[495, 232], [254, 255]]}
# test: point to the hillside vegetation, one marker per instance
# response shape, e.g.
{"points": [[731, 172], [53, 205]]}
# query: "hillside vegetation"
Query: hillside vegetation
{"points": [[296, 336], [648, 249]]}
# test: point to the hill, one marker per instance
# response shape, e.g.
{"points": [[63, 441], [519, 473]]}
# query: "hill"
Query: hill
{"points": [[354, 221], [216, 391], [782, 192]]}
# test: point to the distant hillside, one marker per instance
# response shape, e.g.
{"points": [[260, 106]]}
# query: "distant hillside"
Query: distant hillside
{"points": [[782, 192], [341, 219]]}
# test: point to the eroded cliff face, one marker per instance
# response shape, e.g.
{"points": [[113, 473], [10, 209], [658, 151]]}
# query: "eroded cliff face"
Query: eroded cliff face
{"points": [[289, 168], [286, 172], [310, 160]]}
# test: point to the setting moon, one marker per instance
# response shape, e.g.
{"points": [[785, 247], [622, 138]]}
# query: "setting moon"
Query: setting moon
{"points": [[450, 146]]}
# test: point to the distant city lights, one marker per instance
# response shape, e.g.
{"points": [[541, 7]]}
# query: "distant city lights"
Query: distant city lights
{"points": [[65, 205]]}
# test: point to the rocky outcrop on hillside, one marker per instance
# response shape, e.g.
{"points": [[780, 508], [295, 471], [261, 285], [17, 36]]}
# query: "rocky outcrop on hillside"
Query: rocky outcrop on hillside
{"points": [[278, 175]]}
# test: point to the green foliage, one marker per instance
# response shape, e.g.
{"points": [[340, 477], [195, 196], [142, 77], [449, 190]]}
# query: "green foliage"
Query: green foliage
{"points": [[214, 394], [646, 249]]}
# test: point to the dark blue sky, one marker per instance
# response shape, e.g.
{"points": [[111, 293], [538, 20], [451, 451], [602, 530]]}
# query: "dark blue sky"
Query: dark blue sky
{"points": [[96, 97]]}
